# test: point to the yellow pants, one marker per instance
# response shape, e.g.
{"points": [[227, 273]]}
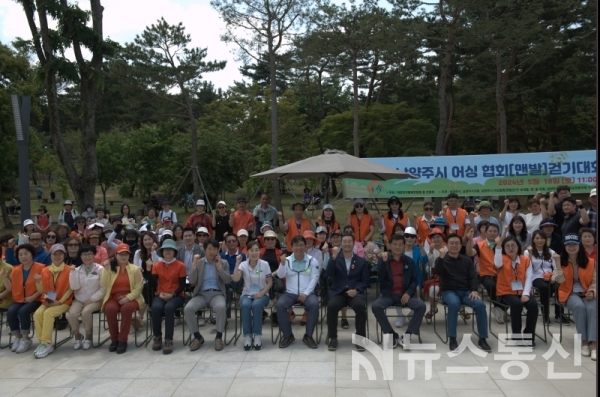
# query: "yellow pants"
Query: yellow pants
{"points": [[44, 321]]}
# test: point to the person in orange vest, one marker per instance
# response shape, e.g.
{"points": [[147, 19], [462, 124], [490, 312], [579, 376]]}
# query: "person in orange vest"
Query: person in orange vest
{"points": [[578, 292], [513, 286], [361, 222], [200, 218], [456, 217], [424, 224], [394, 216], [327, 220], [295, 226]]}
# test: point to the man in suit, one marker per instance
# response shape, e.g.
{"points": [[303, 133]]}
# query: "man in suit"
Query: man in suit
{"points": [[349, 275], [398, 283], [186, 253]]}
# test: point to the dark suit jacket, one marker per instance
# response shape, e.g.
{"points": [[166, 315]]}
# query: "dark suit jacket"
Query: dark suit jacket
{"points": [[342, 280], [385, 276]]}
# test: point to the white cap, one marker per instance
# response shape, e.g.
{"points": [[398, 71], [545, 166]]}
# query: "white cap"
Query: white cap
{"points": [[221, 202], [328, 207], [410, 230], [593, 192], [200, 202], [242, 232], [68, 202], [27, 222], [167, 232], [359, 201], [202, 229], [321, 229], [96, 224]]}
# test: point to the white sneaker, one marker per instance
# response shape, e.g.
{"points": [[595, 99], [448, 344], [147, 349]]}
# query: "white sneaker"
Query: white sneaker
{"points": [[15, 344], [257, 341], [400, 319], [201, 322], [77, 344], [585, 351], [593, 355], [87, 344], [404, 341], [24, 345], [44, 350], [499, 314]]}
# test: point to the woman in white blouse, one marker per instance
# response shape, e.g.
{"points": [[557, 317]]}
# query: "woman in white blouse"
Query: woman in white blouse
{"points": [[255, 296]]}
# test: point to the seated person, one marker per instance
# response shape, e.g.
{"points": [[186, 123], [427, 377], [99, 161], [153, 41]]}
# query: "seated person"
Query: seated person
{"points": [[302, 274], [398, 284], [169, 276], [349, 275], [515, 278], [459, 283], [53, 284], [208, 276]]}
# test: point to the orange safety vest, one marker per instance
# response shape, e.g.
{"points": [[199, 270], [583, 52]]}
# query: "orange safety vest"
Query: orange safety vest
{"points": [[331, 228], [363, 229], [585, 278], [423, 228], [486, 260], [21, 290], [60, 286], [461, 216], [293, 231], [506, 275], [389, 224]]}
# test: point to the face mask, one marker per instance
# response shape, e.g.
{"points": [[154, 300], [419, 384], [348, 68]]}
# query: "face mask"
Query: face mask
{"points": [[469, 209]]}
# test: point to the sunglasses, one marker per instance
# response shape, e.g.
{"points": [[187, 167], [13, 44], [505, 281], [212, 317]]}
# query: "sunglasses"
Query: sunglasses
{"points": [[428, 209], [410, 236], [358, 206], [51, 236], [202, 235]]}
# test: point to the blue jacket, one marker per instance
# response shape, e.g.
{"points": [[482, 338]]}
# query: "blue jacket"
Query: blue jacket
{"points": [[419, 260], [342, 280], [41, 257], [385, 276]]}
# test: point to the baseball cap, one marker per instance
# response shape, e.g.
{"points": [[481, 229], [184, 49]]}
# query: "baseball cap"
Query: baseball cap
{"points": [[68, 202], [202, 229], [593, 192], [436, 230], [410, 230], [485, 203], [321, 229], [547, 222], [571, 238], [359, 201], [57, 247], [166, 219], [242, 232], [122, 248], [270, 233], [328, 207], [167, 232], [265, 225], [221, 203], [241, 200], [336, 231], [309, 234], [200, 202], [28, 222]]}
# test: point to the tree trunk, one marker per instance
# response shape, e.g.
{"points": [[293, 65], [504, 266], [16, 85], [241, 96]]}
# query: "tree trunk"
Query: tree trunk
{"points": [[274, 141], [442, 84], [356, 104], [194, 131], [311, 108], [5, 218], [372, 81]]}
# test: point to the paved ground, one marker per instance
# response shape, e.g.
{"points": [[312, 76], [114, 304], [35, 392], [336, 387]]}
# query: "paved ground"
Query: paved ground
{"points": [[295, 371]]}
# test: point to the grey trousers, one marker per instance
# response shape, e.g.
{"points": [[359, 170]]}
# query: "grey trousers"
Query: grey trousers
{"points": [[213, 299], [584, 313]]}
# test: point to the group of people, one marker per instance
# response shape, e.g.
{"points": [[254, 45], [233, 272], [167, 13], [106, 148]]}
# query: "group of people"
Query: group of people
{"points": [[121, 264]]}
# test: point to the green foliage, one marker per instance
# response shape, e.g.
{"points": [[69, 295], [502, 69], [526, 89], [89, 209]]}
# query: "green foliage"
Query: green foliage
{"points": [[111, 160]]}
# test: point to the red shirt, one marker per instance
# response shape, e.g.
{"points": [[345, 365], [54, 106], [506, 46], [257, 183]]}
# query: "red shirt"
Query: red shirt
{"points": [[168, 276], [397, 270], [242, 221]]}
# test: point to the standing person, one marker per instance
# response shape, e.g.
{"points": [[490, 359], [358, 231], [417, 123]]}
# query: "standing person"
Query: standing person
{"points": [[264, 212], [68, 214], [200, 218], [456, 217], [220, 221], [537, 212], [327, 220], [88, 293], [169, 276], [555, 208], [512, 205], [89, 212], [575, 216], [485, 214], [518, 229], [123, 283], [126, 215], [38, 193], [186, 253], [361, 222], [393, 216], [52, 196], [208, 276], [40, 256], [43, 220], [101, 216], [398, 285], [255, 296], [26, 297], [593, 210], [349, 276], [459, 284], [53, 285], [302, 274], [295, 226], [28, 228], [543, 263], [515, 277], [241, 219], [166, 212], [578, 292], [424, 223]]}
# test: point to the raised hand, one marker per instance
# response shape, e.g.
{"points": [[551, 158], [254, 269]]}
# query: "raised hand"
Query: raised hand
{"points": [[334, 252], [238, 260], [282, 259]]}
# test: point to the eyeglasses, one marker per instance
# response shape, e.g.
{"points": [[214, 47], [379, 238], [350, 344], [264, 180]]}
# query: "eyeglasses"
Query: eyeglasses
{"points": [[87, 254], [51, 236], [72, 245], [428, 208], [358, 206], [410, 236]]}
